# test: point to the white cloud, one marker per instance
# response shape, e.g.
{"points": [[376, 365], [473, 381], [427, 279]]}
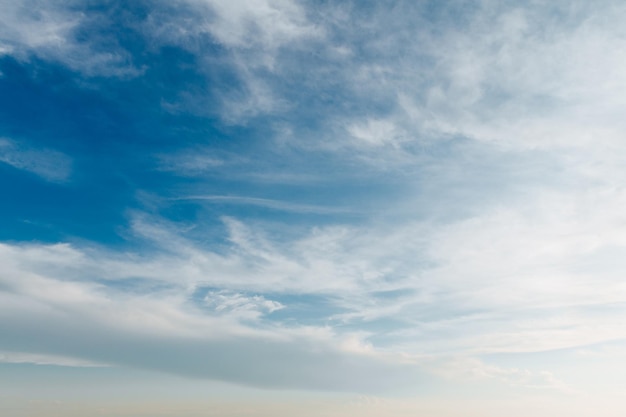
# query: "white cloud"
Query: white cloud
{"points": [[528, 83], [33, 25], [50, 165], [375, 132], [535, 266], [48, 30], [266, 23], [190, 163], [529, 77], [267, 203], [530, 275], [254, 36], [240, 305], [94, 319]]}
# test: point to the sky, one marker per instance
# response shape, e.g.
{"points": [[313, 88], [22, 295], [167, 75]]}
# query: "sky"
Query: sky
{"points": [[312, 207]]}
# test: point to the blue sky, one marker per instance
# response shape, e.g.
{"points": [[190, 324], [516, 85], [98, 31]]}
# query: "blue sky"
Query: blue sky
{"points": [[312, 206]]}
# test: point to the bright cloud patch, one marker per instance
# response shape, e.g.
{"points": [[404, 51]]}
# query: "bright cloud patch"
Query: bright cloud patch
{"points": [[239, 304]]}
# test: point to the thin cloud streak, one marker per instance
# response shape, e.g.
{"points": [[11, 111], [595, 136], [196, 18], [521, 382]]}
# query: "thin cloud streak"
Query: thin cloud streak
{"points": [[268, 203], [50, 165]]}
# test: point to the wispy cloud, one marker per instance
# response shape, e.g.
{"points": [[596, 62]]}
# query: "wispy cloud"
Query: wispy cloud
{"points": [[51, 31], [145, 328], [464, 161], [50, 165], [470, 287], [268, 203]]}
